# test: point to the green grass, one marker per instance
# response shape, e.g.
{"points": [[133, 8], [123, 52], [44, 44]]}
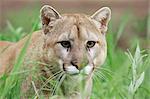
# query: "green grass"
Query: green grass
{"points": [[125, 74]]}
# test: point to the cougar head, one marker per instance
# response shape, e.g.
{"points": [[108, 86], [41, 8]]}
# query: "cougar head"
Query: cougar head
{"points": [[76, 41]]}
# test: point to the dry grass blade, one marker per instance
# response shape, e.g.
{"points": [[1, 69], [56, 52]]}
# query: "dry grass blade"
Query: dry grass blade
{"points": [[35, 89]]}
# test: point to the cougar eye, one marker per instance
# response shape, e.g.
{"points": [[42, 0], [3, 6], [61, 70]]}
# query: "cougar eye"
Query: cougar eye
{"points": [[90, 44], [65, 44]]}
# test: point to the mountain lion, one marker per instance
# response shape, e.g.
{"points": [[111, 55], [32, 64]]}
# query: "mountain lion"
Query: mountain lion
{"points": [[62, 56]]}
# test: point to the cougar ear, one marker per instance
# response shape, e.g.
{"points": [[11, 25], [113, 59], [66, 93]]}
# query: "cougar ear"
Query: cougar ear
{"points": [[102, 16], [48, 16]]}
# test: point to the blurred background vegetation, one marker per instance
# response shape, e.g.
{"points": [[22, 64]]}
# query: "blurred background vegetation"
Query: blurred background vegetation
{"points": [[129, 26], [22, 13]]}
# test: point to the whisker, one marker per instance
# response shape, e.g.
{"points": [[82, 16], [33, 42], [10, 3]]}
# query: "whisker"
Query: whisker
{"points": [[50, 78], [105, 69], [59, 82], [101, 75], [108, 73], [43, 80], [56, 86], [95, 78]]}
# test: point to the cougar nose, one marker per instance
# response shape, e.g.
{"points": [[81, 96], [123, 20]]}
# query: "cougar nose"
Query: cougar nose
{"points": [[74, 63]]}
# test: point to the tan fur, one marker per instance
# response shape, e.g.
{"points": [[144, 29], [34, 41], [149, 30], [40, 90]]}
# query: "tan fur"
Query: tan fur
{"points": [[4, 45], [43, 47]]}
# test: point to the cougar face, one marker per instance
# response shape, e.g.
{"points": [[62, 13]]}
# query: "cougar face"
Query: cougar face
{"points": [[76, 40]]}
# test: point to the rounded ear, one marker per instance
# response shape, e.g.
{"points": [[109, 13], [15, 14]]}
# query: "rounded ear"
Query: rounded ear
{"points": [[102, 16], [48, 15]]}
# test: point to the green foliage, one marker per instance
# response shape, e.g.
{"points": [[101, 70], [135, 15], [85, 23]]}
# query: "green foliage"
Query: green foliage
{"points": [[14, 33], [137, 76]]}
